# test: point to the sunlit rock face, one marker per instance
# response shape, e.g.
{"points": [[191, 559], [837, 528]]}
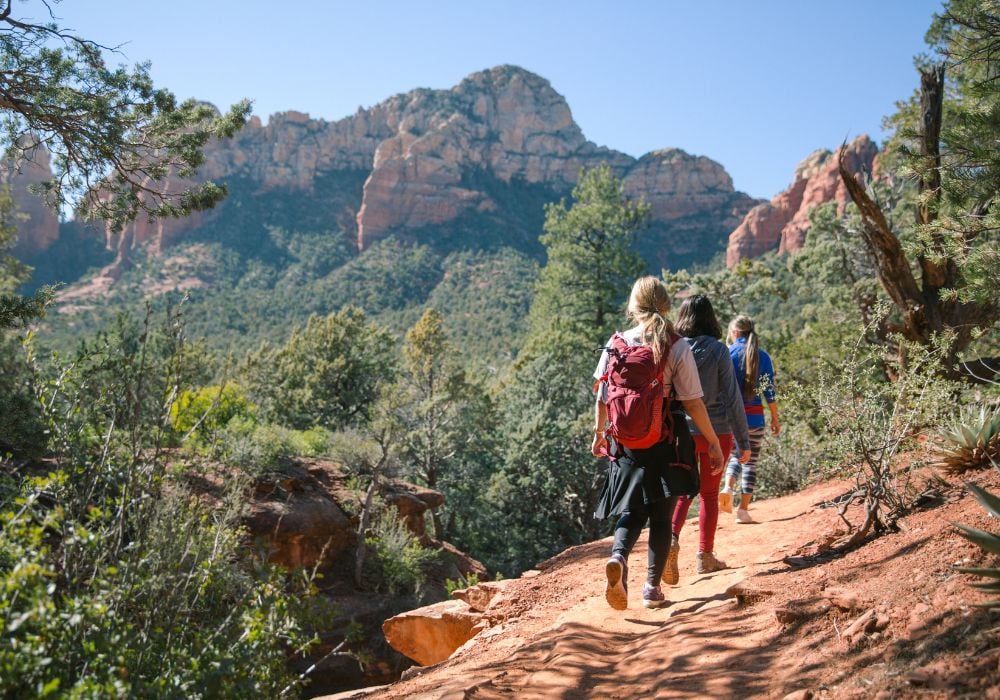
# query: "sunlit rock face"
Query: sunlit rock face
{"points": [[782, 223], [37, 224], [428, 160]]}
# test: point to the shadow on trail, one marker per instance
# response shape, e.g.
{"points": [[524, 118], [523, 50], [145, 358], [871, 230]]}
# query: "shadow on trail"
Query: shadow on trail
{"points": [[704, 655], [697, 604]]}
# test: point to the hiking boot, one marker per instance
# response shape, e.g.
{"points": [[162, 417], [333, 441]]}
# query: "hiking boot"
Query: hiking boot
{"points": [[616, 571], [652, 596], [726, 500], [671, 575], [743, 516], [707, 563]]}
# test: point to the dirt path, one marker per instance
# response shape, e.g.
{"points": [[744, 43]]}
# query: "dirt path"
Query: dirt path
{"points": [[555, 636]]}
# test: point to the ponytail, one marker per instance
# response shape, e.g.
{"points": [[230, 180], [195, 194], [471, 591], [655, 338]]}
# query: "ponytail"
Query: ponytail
{"points": [[742, 326], [648, 305]]}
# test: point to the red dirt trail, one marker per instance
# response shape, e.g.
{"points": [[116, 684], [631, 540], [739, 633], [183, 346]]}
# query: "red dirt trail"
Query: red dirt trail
{"points": [[554, 636]]}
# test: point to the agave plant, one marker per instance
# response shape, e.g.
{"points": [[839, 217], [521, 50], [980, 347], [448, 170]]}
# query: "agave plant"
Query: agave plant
{"points": [[988, 541], [972, 442]]}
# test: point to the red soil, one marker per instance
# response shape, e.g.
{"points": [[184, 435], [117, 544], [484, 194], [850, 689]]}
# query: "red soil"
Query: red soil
{"points": [[555, 636]]}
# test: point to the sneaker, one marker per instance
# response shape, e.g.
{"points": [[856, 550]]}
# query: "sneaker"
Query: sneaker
{"points": [[708, 562], [726, 500], [617, 591], [652, 596], [671, 575], [743, 516]]}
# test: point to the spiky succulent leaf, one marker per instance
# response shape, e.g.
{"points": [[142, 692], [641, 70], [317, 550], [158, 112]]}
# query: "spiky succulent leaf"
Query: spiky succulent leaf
{"points": [[990, 502], [979, 571], [986, 540]]}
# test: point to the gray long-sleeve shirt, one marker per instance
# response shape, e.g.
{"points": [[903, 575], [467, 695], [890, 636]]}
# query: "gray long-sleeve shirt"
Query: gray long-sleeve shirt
{"points": [[722, 397]]}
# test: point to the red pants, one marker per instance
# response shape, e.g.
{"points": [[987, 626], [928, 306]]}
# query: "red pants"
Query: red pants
{"points": [[708, 515]]}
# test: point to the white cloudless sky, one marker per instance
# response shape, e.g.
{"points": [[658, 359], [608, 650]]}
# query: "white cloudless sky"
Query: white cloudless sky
{"points": [[756, 86]]}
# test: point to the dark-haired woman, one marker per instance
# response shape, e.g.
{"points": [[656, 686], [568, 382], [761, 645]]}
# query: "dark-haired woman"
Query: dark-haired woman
{"points": [[755, 374], [697, 323]]}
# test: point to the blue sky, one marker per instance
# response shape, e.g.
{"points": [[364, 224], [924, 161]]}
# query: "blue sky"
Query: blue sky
{"points": [[756, 86]]}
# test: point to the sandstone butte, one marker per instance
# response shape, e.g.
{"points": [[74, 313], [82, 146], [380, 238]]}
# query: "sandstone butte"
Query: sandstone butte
{"points": [[429, 157], [893, 618], [38, 224], [782, 223]]}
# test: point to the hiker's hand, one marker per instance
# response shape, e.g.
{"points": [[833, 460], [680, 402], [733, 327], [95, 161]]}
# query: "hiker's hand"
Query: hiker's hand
{"points": [[775, 426], [745, 456], [599, 448], [718, 459]]}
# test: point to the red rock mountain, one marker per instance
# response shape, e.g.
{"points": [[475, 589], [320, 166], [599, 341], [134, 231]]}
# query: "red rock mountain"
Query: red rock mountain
{"points": [[40, 227], [433, 159], [782, 223]]}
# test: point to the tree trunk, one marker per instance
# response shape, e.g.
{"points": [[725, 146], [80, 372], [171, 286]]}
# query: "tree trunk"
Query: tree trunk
{"points": [[931, 107], [361, 549], [891, 266]]}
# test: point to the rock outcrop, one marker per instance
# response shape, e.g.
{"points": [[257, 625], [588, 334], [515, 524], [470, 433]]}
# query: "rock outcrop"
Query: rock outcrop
{"points": [[433, 633], [783, 222], [430, 159], [40, 226], [299, 516]]}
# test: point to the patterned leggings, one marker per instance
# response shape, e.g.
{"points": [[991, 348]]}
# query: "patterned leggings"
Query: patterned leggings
{"points": [[748, 470]]}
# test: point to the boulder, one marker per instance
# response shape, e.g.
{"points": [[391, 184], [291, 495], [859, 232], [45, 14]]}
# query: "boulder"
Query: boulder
{"points": [[432, 633], [843, 598], [300, 528], [412, 502], [479, 597]]}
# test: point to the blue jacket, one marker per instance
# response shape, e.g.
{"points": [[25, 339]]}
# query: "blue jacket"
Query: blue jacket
{"points": [[765, 380], [723, 399]]}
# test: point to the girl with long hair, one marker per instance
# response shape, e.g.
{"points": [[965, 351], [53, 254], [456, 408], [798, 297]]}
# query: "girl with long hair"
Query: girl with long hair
{"points": [[642, 486], [698, 325], [755, 375]]}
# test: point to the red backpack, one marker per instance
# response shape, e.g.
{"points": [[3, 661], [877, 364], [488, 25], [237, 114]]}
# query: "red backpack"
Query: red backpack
{"points": [[635, 394]]}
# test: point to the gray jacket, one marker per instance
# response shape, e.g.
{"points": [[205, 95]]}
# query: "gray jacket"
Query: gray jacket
{"points": [[723, 400]]}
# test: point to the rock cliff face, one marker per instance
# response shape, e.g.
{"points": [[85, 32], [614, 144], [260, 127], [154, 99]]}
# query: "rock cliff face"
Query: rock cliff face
{"points": [[41, 227], [430, 159], [782, 223]]}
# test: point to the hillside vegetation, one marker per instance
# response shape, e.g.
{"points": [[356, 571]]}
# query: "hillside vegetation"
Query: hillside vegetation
{"points": [[460, 362]]}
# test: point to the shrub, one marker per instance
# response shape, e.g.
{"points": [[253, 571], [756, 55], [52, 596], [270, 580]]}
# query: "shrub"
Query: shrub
{"points": [[115, 579], [452, 585], [207, 410], [260, 448], [398, 561], [871, 407]]}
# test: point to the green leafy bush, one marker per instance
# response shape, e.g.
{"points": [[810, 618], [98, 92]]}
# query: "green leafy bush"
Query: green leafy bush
{"points": [[258, 448], [399, 560], [207, 410], [116, 580]]}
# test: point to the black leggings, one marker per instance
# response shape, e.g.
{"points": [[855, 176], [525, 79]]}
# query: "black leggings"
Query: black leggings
{"points": [[629, 526]]}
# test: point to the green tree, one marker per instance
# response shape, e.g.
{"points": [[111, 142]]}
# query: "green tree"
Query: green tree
{"points": [[546, 488], [20, 427], [590, 262], [729, 289], [326, 374], [448, 438], [939, 271], [112, 134]]}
